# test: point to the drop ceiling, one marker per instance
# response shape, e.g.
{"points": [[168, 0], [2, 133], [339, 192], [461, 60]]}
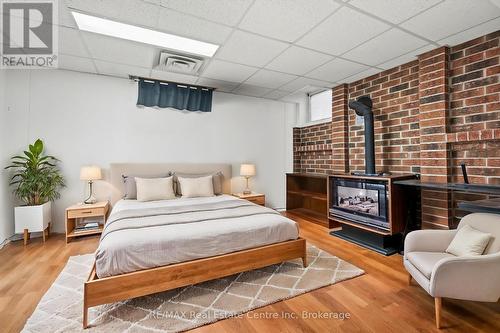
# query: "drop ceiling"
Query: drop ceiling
{"points": [[271, 48]]}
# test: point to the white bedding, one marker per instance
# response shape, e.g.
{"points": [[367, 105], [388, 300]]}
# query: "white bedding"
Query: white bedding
{"points": [[130, 250]]}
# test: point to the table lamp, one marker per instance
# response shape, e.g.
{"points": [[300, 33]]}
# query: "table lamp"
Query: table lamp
{"points": [[90, 173], [247, 171]]}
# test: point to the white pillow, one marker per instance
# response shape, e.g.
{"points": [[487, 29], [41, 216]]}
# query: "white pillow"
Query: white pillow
{"points": [[149, 189], [468, 242], [196, 187]]}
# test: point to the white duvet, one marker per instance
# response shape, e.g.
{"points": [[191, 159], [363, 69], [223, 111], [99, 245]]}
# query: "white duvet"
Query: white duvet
{"points": [[145, 247]]}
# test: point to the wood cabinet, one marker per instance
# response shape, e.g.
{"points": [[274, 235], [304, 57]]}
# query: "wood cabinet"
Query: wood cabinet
{"points": [[99, 209], [307, 195], [256, 198]]}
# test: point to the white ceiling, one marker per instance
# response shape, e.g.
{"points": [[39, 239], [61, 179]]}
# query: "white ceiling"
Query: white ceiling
{"points": [[274, 48]]}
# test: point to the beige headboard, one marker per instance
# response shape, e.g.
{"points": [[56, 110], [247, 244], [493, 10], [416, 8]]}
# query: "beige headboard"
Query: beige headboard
{"points": [[153, 169]]}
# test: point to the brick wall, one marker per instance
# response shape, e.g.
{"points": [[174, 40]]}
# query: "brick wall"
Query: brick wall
{"points": [[395, 107], [431, 114], [474, 122], [313, 148]]}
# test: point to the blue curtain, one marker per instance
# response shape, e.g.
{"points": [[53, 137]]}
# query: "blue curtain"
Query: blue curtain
{"points": [[172, 95]]}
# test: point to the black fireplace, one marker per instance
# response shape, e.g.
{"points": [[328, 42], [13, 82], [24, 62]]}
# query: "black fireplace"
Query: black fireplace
{"points": [[363, 201]]}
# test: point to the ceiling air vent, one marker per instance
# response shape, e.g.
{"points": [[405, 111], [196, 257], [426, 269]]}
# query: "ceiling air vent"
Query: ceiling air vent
{"points": [[179, 64]]}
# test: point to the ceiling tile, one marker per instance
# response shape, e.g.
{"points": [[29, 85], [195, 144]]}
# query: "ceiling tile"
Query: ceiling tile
{"points": [[70, 42], [277, 94], [450, 17], [108, 68], [286, 19], [336, 70], [250, 49], [474, 32], [311, 89], [382, 48], [249, 90], [131, 11], [342, 31], [220, 85], [297, 60], [302, 82], [228, 12], [406, 57], [394, 11], [361, 75], [174, 77], [269, 79], [78, 64], [192, 27], [226, 71], [65, 18], [119, 50]]}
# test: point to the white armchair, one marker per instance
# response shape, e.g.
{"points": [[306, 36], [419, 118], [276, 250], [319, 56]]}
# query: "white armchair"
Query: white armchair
{"points": [[444, 275]]}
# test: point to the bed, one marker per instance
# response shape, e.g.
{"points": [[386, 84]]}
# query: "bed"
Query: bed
{"points": [[149, 247]]}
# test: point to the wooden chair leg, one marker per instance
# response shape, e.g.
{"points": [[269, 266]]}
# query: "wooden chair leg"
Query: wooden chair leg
{"points": [[409, 279], [304, 261], [43, 235], [437, 306], [48, 230], [26, 236]]}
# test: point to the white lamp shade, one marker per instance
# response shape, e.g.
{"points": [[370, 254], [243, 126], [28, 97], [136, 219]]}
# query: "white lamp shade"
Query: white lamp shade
{"points": [[90, 173], [247, 170]]}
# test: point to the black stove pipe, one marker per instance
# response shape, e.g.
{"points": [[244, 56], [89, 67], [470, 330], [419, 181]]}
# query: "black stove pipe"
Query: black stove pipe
{"points": [[363, 107]]}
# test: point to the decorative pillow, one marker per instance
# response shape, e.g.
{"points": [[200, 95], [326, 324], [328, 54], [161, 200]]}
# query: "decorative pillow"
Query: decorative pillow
{"points": [[217, 179], [131, 187], [196, 187], [149, 189], [468, 242]]}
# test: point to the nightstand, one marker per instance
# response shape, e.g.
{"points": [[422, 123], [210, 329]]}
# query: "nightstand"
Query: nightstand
{"points": [[83, 211], [257, 198]]}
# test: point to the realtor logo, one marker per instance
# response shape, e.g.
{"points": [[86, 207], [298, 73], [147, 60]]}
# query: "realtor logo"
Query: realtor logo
{"points": [[29, 34]]}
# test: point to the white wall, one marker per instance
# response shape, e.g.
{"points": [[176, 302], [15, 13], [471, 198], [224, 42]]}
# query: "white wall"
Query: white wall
{"points": [[6, 213], [92, 119]]}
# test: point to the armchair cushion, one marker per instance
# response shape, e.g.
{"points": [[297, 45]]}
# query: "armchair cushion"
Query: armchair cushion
{"points": [[468, 242], [426, 261]]}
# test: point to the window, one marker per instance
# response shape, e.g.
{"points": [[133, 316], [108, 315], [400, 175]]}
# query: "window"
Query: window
{"points": [[320, 105]]}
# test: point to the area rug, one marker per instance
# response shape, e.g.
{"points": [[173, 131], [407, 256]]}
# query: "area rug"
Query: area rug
{"points": [[60, 309]]}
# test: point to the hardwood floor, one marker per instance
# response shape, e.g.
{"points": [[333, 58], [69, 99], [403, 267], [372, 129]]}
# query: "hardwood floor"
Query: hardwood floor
{"points": [[379, 301]]}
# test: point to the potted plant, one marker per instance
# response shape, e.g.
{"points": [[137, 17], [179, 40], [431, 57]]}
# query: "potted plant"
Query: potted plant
{"points": [[36, 181]]}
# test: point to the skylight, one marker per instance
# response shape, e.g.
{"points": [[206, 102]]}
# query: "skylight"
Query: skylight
{"points": [[137, 34]]}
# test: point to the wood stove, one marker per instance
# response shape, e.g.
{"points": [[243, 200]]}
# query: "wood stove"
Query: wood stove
{"points": [[364, 201], [371, 210]]}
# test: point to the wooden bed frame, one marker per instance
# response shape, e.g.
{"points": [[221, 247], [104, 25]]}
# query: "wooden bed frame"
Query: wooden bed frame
{"points": [[98, 291]]}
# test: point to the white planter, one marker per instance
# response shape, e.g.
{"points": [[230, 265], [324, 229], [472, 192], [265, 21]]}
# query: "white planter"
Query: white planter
{"points": [[33, 218]]}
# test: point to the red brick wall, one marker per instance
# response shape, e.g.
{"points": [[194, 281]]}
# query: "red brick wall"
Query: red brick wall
{"points": [[395, 107], [313, 148], [474, 121], [431, 114]]}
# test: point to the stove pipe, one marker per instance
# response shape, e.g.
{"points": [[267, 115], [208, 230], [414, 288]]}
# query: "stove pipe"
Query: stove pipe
{"points": [[363, 107]]}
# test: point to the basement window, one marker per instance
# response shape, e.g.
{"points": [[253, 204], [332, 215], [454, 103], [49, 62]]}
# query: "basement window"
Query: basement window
{"points": [[320, 106]]}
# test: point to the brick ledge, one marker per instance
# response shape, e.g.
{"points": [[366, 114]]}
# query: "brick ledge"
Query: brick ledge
{"points": [[323, 147]]}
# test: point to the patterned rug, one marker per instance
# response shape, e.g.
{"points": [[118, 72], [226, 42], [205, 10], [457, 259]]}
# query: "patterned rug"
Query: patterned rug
{"points": [[60, 309]]}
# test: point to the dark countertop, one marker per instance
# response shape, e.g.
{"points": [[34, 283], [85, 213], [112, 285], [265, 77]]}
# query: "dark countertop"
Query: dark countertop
{"points": [[471, 188], [481, 206]]}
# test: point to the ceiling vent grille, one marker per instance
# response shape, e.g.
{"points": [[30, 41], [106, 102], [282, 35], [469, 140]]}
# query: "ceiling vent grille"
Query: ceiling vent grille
{"points": [[170, 62]]}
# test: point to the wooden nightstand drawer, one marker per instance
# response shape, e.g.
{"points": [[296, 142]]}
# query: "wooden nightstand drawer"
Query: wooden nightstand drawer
{"points": [[86, 212], [258, 200], [78, 213]]}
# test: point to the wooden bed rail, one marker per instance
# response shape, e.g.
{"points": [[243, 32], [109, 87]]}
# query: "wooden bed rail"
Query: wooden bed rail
{"points": [[111, 289]]}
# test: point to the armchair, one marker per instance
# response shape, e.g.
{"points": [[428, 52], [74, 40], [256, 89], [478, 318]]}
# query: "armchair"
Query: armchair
{"points": [[444, 275]]}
